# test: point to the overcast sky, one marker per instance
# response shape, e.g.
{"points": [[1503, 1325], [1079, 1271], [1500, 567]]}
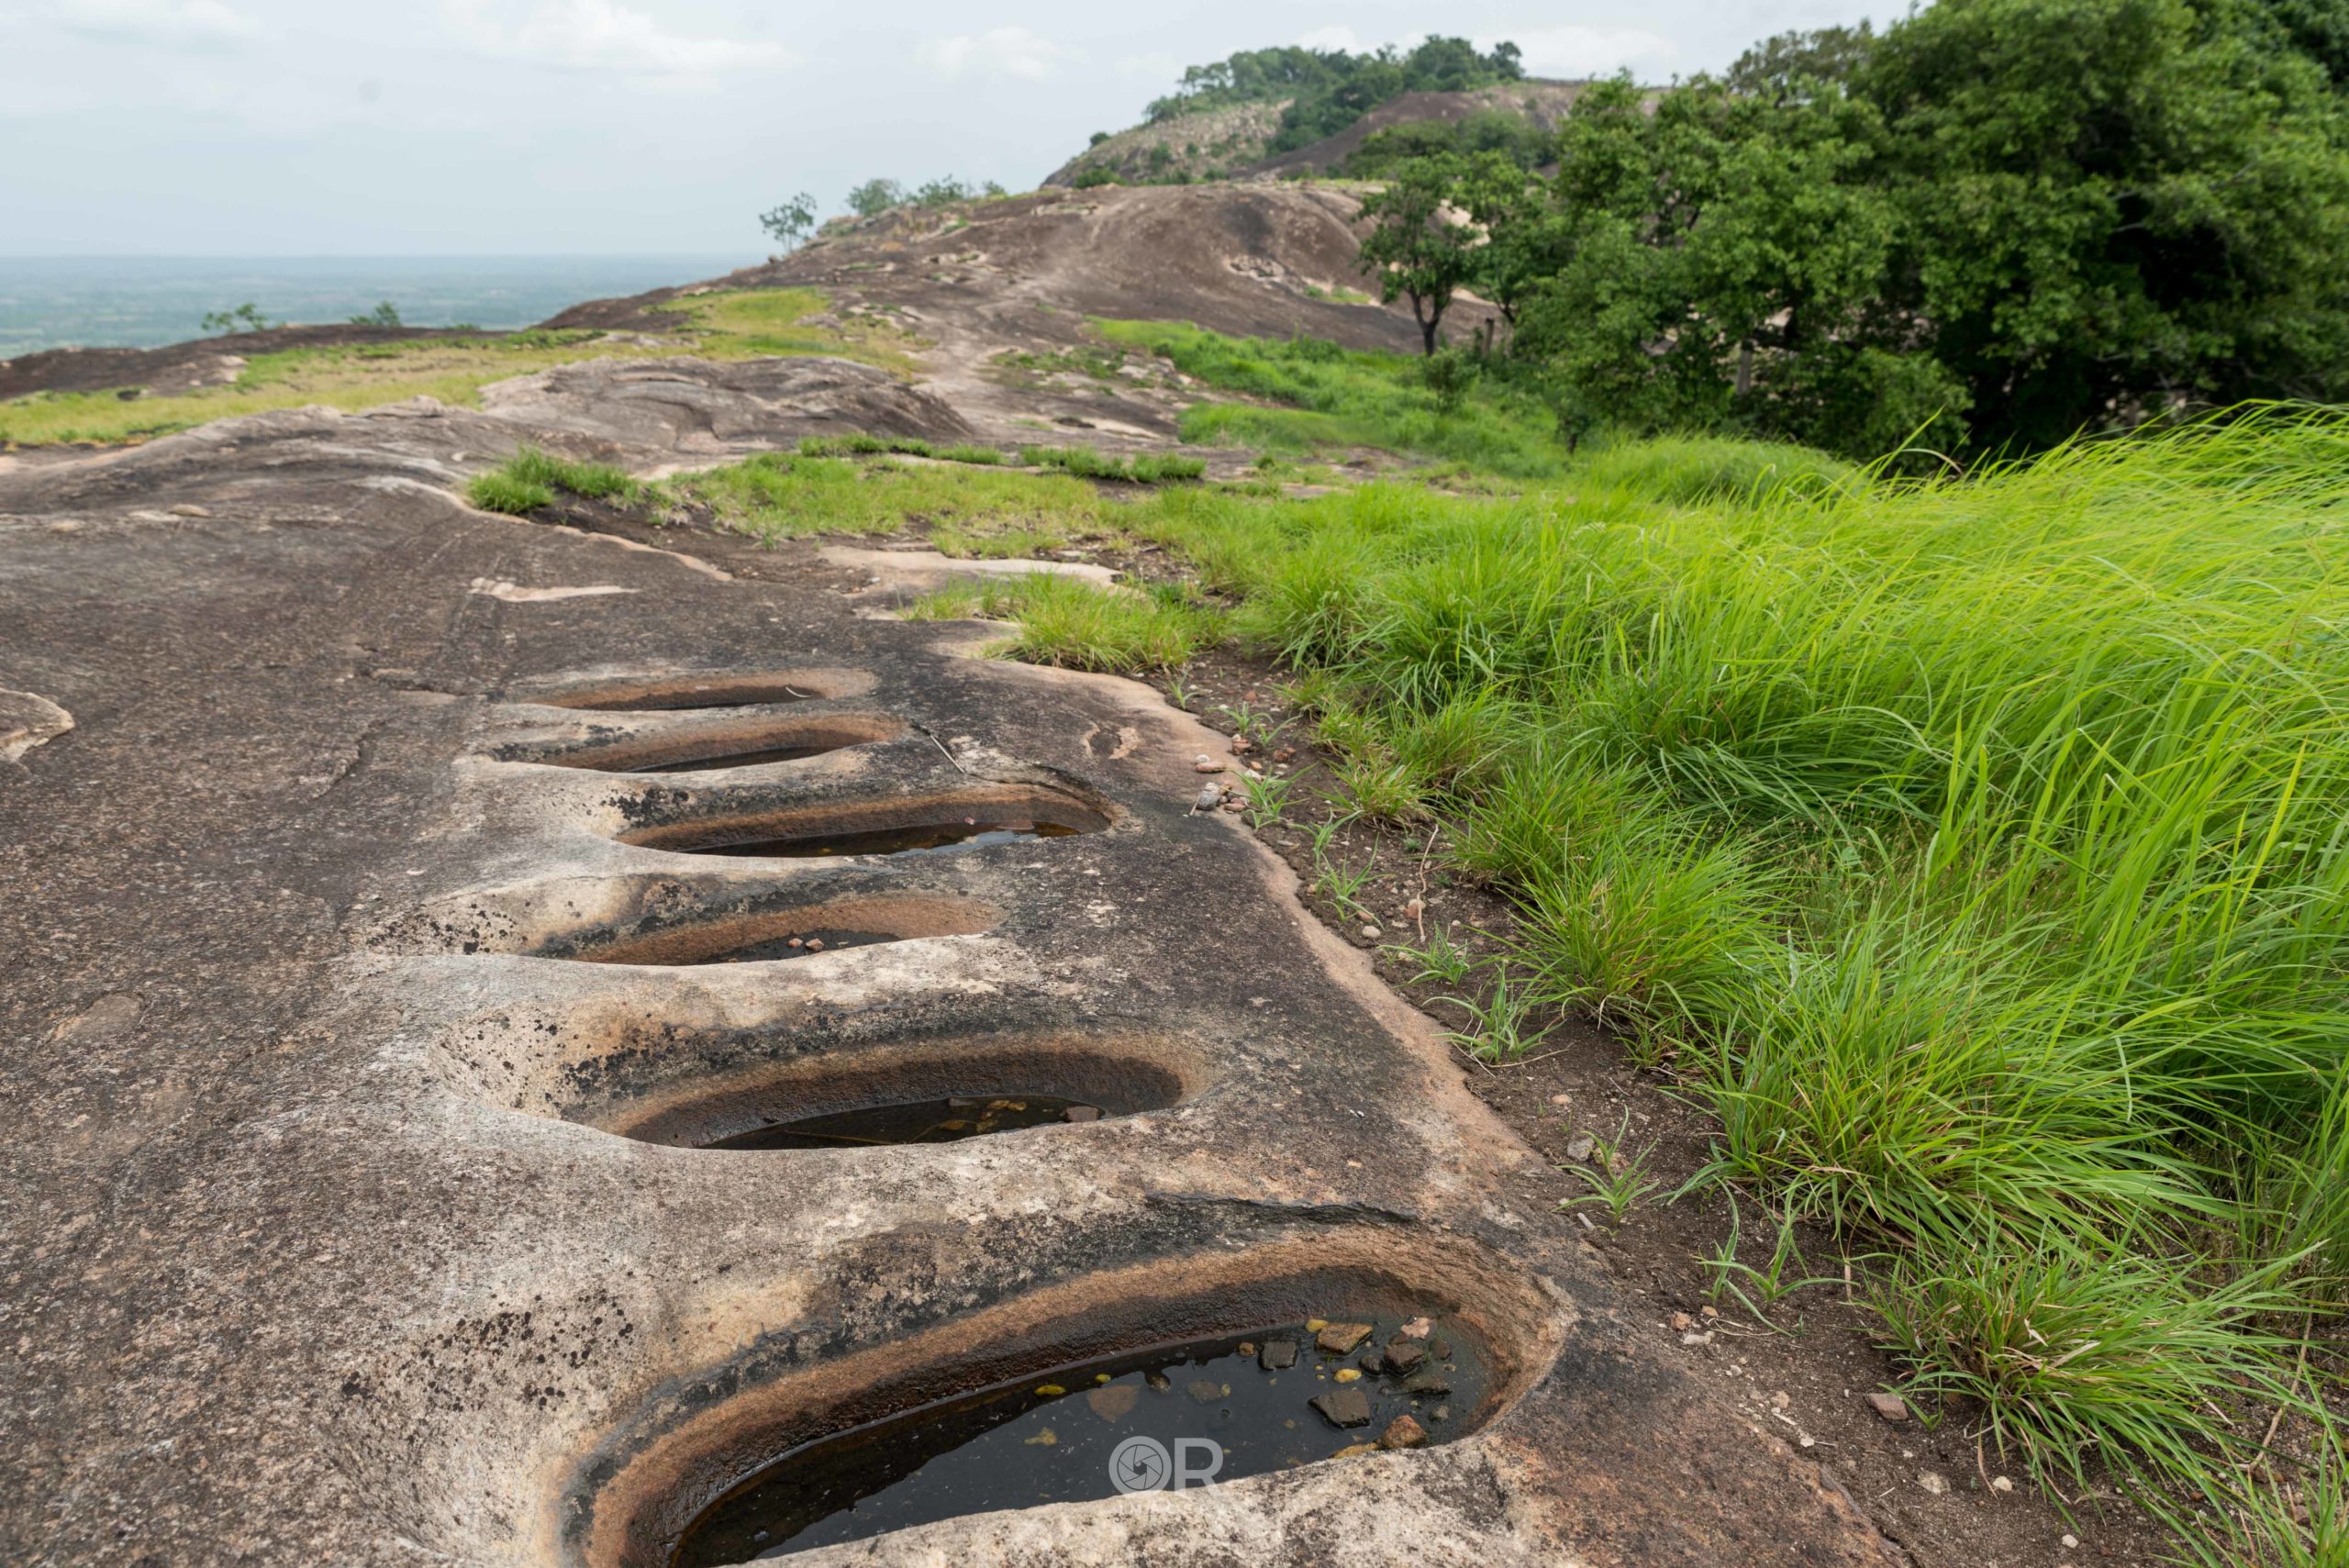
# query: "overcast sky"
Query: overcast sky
{"points": [[537, 126]]}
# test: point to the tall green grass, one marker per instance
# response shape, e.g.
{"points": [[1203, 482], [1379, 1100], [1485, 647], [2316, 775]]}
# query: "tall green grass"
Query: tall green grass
{"points": [[1331, 398], [1985, 843], [971, 509]]}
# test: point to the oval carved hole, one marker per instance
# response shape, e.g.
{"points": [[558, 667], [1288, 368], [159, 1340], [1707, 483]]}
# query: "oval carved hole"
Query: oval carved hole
{"points": [[740, 744], [941, 824], [671, 694], [930, 1093], [1176, 1416]]}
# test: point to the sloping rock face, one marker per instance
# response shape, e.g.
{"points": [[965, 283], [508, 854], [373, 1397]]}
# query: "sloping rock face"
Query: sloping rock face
{"points": [[1236, 259], [1202, 144], [354, 992], [364, 1016]]}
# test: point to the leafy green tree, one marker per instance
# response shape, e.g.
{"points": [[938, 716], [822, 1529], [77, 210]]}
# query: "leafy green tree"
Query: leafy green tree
{"points": [[246, 318], [875, 196], [1526, 241], [1786, 65], [2319, 28], [792, 222], [1996, 223], [2112, 209], [1416, 249]]}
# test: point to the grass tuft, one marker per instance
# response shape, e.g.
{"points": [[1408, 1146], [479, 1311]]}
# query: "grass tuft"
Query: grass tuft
{"points": [[1065, 621], [531, 479]]}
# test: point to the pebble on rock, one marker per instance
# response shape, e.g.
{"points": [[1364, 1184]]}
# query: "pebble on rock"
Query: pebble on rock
{"points": [[1209, 798]]}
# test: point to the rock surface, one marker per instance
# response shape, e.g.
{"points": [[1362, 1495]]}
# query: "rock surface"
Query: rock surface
{"points": [[352, 1236]]}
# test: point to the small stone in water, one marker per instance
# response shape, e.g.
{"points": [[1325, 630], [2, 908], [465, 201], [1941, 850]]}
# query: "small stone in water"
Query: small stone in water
{"points": [[1402, 1432], [815, 944], [1343, 1408], [1112, 1402], [1339, 1339]]}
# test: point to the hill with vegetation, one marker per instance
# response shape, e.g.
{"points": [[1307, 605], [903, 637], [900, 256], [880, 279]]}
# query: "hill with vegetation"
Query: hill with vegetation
{"points": [[1278, 110]]}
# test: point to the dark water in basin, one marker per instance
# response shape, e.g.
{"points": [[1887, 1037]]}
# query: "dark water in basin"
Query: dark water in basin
{"points": [[733, 760], [930, 838], [1055, 1437], [915, 1121]]}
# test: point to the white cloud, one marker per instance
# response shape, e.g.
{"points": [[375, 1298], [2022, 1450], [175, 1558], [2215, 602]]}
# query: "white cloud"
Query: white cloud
{"points": [[598, 34], [1574, 52], [1000, 51], [171, 21], [1334, 37]]}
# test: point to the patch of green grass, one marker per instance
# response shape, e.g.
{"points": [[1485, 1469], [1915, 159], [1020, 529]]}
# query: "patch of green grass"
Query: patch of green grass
{"points": [[1141, 468], [1978, 844], [777, 496], [745, 324], [1330, 399], [1686, 469], [498, 490], [859, 444], [531, 478], [2070, 1351], [1065, 621], [1093, 362], [451, 370]]}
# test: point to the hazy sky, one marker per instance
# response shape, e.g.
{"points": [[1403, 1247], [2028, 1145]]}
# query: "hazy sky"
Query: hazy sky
{"points": [[437, 127]]}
